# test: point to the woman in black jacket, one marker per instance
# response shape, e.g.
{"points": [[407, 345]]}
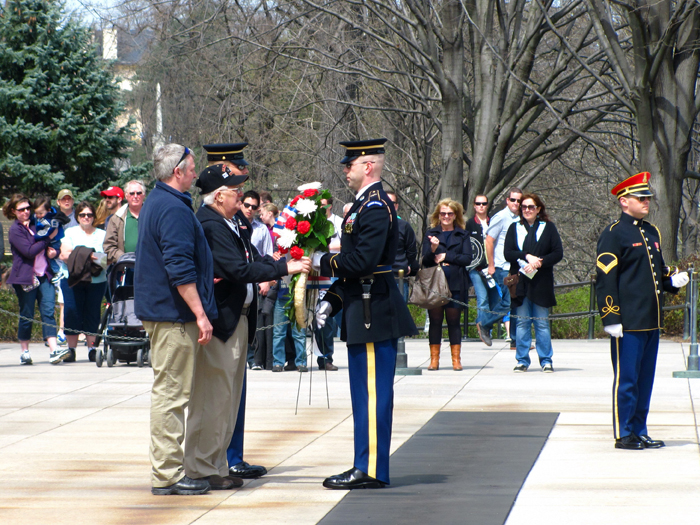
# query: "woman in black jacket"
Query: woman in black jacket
{"points": [[447, 243], [533, 247]]}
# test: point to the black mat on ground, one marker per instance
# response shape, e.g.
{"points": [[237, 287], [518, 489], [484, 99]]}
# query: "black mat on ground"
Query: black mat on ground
{"points": [[460, 468]]}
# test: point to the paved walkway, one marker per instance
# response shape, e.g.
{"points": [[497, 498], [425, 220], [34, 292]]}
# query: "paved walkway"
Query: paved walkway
{"points": [[74, 440]]}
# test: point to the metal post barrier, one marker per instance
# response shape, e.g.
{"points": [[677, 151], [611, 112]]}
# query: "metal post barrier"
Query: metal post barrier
{"points": [[693, 360], [591, 309], [401, 356]]}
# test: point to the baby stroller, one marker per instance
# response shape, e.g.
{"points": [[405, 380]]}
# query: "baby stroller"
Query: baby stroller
{"points": [[119, 321]]}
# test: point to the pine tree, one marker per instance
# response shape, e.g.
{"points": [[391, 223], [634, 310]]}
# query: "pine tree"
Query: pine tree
{"points": [[58, 103]]}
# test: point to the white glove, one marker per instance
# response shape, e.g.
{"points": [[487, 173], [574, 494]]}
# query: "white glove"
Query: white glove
{"points": [[323, 310], [680, 280], [316, 261], [615, 330]]}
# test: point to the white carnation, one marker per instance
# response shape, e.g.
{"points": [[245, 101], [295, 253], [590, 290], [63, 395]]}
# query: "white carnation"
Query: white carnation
{"points": [[305, 206], [309, 186], [287, 238]]}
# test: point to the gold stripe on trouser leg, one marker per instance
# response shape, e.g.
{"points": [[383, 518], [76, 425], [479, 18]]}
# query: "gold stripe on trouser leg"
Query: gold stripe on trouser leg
{"points": [[372, 410], [616, 408]]}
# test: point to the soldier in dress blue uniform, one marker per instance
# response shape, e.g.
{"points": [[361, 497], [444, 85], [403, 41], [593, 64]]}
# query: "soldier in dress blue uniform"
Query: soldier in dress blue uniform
{"points": [[631, 281], [231, 155], [374, 312]]}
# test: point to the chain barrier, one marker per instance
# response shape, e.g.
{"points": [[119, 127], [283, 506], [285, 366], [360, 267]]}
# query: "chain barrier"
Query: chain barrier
{"points": [[512, 316], [114, 337]]}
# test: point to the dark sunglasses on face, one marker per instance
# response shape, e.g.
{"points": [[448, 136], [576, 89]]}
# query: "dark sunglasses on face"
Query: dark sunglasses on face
{"points": [[513, 200], [135, 193], [642, 199], [481, 204], [528, 207], [19, 210], [446, 213], [252, 206], [86, 215]]}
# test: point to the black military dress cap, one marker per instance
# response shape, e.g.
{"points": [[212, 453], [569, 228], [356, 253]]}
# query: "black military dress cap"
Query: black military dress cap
{"points": [[213, 177], [230, 152], [359, 148]]}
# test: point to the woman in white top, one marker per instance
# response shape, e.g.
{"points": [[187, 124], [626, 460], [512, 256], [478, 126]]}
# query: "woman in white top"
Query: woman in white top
{"points": [[83, 300]]}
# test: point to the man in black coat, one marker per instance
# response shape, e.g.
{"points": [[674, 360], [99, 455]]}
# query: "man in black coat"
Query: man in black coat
{"points": [[631, 279], [374, 313], [220, 366]]}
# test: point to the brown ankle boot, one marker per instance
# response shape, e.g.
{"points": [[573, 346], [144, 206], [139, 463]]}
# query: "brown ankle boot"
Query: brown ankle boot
{"points": [[434, 357], [456, 353]]}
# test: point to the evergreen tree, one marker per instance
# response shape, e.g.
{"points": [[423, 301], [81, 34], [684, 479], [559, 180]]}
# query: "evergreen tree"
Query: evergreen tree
{"points": [[58, 103]]}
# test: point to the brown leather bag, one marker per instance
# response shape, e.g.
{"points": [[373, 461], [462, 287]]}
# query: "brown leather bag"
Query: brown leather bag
{"points": [[511, 281], [430, 288]]}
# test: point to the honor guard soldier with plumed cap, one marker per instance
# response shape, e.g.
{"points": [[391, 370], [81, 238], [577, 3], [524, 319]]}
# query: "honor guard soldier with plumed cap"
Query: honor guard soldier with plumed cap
{"points": [[374, 312], [231, 155], [630, 284]]}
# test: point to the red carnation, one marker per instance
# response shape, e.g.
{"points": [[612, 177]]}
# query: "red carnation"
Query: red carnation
{"points": [[291, 223], [303, 227], [296, 252], [282, 250], [310, 192], [295, 200]]}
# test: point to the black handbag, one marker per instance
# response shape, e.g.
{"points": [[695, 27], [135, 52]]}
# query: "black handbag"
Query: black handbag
{"points": [[430, 288]]}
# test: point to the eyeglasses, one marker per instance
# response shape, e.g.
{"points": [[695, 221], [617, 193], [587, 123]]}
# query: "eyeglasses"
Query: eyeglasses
{"points": [[20, 210], [351, 164], [235, 190], [446, 213], [184, 156], [513, 200], [132, 193], [528, 207], [481, 204], [252, 206], [86, 215]]}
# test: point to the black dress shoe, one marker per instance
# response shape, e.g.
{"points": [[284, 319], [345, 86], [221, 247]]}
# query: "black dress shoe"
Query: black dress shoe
{"points": [[630, 442], [352, 479], [185, 487], [328, 366], [651, 443], [223, 483], [246, 471]]}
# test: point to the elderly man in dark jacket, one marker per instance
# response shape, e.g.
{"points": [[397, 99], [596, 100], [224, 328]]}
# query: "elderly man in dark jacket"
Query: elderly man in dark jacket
{"points": [[174, 298], [220, 366]]}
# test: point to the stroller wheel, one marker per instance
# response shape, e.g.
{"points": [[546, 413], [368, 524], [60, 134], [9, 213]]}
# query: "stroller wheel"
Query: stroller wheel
{"points": [[99, 357], [139, 357], [110, 357]]}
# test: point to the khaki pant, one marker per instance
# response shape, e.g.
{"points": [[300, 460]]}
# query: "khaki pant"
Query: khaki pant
{"points": [[216, 395], [173, 350]]}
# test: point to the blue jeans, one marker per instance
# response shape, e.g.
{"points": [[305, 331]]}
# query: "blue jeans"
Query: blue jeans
{"points": [[500, 306], [45, 294], [279, 334], [82, 306], [486, 298], [524, 337]]}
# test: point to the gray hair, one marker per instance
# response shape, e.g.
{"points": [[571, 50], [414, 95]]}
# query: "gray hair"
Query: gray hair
{"points": [[165, 160], [135, 182], [208, 198]]}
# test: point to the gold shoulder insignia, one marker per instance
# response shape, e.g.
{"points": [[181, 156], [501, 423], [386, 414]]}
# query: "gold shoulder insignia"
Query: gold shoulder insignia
{"points": [[657, 232], [606, 261], [613, 225]]}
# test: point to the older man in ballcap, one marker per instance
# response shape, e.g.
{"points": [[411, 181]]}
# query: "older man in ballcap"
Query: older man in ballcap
{"points": [[374, 312], [231, 156], [630, 283]]}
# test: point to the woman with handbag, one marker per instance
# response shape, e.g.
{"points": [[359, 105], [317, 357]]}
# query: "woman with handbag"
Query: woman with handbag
{"points": [[533, 247], [447, 244], [31, 275]]}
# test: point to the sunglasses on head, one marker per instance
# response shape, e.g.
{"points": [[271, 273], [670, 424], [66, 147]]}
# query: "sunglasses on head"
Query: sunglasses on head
{"points": [[252, 206], [184, 156]]}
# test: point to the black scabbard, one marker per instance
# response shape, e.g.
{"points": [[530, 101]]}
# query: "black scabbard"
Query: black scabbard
{"points": [[366, 300]]}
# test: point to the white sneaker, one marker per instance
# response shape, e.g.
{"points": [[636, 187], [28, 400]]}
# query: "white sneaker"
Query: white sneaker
{"points": [[25, 358], [59, 355]]}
